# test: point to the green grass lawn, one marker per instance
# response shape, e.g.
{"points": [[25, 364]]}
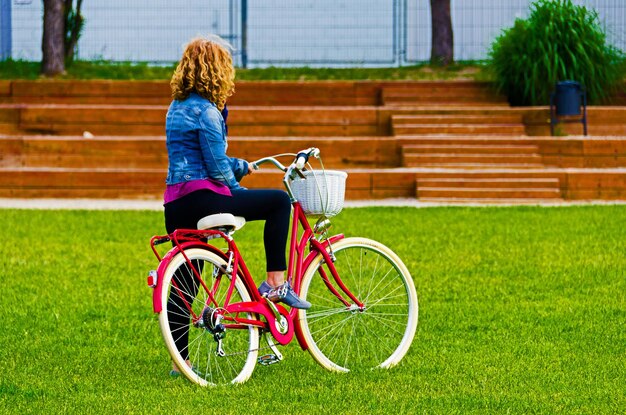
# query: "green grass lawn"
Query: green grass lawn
{"points": [[10, 69], [522, 310]]}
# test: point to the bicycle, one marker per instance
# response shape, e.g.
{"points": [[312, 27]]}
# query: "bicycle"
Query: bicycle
{"points": [[364, 304]]}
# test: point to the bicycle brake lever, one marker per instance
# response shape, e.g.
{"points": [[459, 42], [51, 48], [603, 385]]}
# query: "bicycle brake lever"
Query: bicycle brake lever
{"points": [[293, 169]]}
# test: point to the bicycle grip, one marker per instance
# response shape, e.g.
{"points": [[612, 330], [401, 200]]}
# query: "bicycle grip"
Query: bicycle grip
{"points": [[301, 160]]}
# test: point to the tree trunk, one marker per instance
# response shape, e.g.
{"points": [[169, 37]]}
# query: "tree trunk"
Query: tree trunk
{"points": [[442, 50], [53, 38], [74, 21]]}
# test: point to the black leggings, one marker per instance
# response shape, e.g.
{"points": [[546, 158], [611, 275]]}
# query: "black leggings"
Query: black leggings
{"points": [[273, 206]]}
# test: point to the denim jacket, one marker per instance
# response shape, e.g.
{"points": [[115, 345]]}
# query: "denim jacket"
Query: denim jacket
{"points": [[196, 144]]}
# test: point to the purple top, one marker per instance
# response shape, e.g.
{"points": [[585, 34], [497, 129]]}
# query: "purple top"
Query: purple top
{"points": [[178, 190]]}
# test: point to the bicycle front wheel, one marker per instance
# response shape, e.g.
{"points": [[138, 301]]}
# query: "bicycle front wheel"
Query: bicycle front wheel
{"points": [[190, 335], [343, 337]]}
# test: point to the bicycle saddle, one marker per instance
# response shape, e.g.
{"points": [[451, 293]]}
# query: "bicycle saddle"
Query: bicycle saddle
{"points": [[222, 221]]}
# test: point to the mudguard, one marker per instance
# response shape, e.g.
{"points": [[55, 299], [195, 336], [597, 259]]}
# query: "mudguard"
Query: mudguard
{"points": [[156, 293], [305, 265]]}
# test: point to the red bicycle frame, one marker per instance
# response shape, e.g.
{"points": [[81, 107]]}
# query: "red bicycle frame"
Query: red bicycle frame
{"points": [[299, 261]]}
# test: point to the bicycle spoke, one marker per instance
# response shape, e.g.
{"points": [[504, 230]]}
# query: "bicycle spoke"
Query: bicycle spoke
{"points": [[372, 279], [327, 313], [384, 321], [388, 296], [380, 281], [196, 343], [346, 338], [334, 329]]}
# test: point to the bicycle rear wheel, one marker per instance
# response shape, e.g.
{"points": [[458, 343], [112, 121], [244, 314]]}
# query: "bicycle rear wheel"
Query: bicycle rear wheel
{"points": [[344, 337], [186, 315]]}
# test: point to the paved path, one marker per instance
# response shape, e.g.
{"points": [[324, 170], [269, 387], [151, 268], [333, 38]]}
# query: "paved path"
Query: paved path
{"points": [[122, 204]]}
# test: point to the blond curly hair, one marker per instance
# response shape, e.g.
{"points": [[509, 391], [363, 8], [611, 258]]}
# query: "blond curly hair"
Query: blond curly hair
{"points": [[206, 68]]}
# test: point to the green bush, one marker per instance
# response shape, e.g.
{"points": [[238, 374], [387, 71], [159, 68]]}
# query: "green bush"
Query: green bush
{"points": [[559, 41]]}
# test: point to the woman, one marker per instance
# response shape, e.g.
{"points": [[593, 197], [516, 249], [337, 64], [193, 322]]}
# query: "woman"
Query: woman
{"points": [[202, 180]]}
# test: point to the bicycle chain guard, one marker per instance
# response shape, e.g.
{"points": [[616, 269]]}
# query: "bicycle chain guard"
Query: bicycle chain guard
{"points": [[276, 325]]}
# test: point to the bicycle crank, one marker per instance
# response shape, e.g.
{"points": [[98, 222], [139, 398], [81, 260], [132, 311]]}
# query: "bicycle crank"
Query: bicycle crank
{"points": [[270, 358]]}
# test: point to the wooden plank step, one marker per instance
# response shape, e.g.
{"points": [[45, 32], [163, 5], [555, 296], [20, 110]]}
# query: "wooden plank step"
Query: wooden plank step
{"points": [[452, 90], [472, 139], [488, 193], [578, 184], [490, 201], [499, 172], [503, 118], [296, 93], [150, 152], [459, 129], [421, 99], [497, 182], [469, 149], [441, 86], [61, 119], [492, 159], [100, 182], [148, 183], [468, 166]]}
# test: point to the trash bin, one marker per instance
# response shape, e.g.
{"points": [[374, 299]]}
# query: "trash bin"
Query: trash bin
{"points": [[568, 98]]}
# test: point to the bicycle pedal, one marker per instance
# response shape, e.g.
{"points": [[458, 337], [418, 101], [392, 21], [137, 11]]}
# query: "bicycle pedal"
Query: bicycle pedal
{"points": [[269, 359]]}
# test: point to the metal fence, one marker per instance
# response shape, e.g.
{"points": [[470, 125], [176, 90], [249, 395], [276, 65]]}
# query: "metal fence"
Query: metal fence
{"points": [[318, 33]]}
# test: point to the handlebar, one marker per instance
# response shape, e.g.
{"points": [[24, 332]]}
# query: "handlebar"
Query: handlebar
{"points": [[303, 157], [294, 169], [300, 160]]}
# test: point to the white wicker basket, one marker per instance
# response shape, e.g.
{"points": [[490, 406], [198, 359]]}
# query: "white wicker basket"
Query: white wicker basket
{"points": [[321, 192]]}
